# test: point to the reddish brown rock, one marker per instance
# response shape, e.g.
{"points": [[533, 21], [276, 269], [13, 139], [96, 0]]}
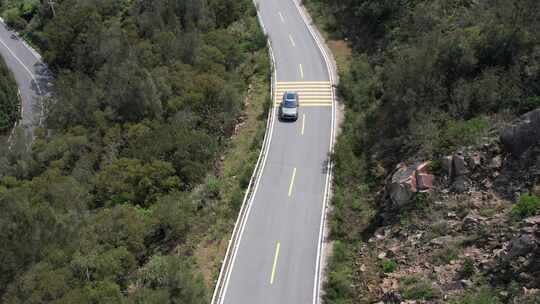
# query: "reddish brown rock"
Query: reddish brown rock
{"points": [[408, 180]]}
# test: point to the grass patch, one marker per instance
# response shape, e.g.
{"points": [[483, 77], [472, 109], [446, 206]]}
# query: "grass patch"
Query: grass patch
{"points": [[527, 205], [445, 255], [483, 296], [459, 133], [414, 288], [339, 279]]}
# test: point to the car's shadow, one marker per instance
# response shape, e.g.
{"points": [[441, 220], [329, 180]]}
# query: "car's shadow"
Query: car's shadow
{"points": [[280, 119]]}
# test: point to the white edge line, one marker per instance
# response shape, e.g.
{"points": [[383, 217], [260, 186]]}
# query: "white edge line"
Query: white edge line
{"points": [[226, 268], [31, 49], [40, 92], [250, 204], [317, 278], [218, 291]]}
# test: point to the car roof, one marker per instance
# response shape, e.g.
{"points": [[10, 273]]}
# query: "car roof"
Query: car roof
{"points": [[290, 95]]}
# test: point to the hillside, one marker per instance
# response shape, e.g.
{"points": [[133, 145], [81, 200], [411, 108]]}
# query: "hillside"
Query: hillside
{"points": [[436, 183], [158, 108]]}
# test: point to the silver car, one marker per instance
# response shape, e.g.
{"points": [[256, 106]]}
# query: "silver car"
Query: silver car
{"points": [[288, 109]]}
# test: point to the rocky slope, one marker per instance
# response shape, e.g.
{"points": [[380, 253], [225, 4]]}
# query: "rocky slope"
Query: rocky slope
{"points": [[462, 229]]}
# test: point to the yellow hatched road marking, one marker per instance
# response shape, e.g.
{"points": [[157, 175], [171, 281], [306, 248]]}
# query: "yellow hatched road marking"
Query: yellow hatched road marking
{"points": [[326, 104], [276, 257], [303, 101], [302, 82], [312, 93], [316, 105], [305, 93], [304, 89]]}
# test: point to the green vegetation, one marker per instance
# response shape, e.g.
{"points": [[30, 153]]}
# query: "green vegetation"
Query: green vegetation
{"points": [[388, 266], [425, 78], [130, 192], [18, 13], [527, 205], [468, 269], [338, 288], [413, 288], [9, 99], [445, 255], [483, 296]]}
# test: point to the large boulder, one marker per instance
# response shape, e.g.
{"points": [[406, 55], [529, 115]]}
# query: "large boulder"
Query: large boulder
{"points": [[522, 133], [455, 165], [521, 246], [408, 180]]}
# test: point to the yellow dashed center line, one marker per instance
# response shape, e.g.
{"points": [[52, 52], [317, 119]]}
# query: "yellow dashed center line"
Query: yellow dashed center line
{"points": [[292, 181], [281, 17], [292, 40], [303, 123], [301, 71], [276, 257]]}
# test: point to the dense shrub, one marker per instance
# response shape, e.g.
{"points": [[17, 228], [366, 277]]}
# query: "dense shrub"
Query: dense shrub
{"points": [[425, 78], [9, 99], [146, 96], [527, 205]]}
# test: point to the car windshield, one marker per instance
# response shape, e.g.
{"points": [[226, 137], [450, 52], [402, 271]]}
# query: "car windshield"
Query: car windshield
{"points": [[290, 100]]}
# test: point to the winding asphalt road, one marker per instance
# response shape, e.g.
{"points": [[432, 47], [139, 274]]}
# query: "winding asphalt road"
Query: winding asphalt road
{"points": [[276, 260], [30, 72]]}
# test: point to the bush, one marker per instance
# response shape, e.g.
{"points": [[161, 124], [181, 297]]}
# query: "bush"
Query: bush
{"points": [[388, 266], [463, 133], [9, 99], [529, 104], [338, 286], [527, 205], [467, 270], [14, 20], [213, 187]]}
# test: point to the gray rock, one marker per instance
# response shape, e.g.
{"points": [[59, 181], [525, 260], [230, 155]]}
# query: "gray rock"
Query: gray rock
{"points": [[460, 184], [535, 220], [522, 134], [447, 164], [521, 246], [496, 162], [459, 165], [472, 222], [442, 240]]}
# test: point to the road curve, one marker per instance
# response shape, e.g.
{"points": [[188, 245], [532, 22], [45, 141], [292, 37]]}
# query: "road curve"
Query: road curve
{"points": [[277, 255], [30, 72]]}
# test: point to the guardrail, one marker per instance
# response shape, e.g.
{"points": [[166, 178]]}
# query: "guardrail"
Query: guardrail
{"points": [[235, 236]]}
